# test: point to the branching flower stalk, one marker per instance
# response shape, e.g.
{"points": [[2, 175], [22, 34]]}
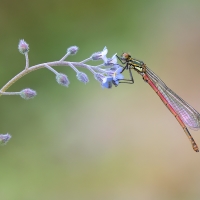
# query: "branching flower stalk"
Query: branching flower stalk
{"points": [[108, 73]]}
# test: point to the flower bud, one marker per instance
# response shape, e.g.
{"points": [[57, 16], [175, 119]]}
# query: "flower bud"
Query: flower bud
{"points": [[100, 55], [96, 56], [23, 47], [82, 77], [99, 77], [28, 93], [4, 138], [72, 50], [62, 79]]}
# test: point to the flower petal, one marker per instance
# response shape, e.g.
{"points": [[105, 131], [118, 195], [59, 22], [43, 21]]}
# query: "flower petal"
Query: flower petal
{"points": [[116, 82], [119, 70], [107, 82], [104, 58], [119, 76], [114, 59], [104, 52]]}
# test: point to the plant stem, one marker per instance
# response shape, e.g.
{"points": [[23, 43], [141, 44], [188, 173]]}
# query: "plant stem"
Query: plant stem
{"points": [[27, 61], [40, 66]]}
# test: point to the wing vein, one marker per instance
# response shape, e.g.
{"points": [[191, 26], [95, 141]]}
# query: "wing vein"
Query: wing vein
{"points": [[186, 112]]}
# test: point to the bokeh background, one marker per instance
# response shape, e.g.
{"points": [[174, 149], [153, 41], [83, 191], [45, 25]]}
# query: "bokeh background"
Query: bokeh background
{"points": [[85, 142]]}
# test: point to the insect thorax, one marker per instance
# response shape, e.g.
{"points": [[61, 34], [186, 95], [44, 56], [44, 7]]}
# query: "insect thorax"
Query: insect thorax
{"points": [[137, 65]]}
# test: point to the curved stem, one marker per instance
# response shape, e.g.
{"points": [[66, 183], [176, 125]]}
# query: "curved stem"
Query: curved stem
{"points": [[40, 66]]}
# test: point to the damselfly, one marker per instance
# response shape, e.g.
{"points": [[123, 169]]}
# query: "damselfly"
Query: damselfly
{"points": [[185, 114]]}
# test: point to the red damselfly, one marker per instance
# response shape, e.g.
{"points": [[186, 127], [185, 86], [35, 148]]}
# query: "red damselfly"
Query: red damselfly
{"points": [[185, 114]]}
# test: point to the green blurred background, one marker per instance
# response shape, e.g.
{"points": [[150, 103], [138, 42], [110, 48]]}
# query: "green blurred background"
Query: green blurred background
{"points": [[85, 142]]}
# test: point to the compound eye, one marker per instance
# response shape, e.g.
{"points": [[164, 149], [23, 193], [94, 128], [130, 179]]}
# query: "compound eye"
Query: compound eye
{"points": [[126, 55]]}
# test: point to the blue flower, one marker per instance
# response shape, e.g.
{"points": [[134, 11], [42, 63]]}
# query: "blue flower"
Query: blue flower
{"points": [[113, 76], [107, 82], [110, 61], [117, 75]]}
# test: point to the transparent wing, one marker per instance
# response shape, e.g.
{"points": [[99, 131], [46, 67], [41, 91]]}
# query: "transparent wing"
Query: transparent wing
{"points": [[186, 112]]}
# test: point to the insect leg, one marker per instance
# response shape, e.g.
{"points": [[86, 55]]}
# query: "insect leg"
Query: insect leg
{"points": [[131, 76]]}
